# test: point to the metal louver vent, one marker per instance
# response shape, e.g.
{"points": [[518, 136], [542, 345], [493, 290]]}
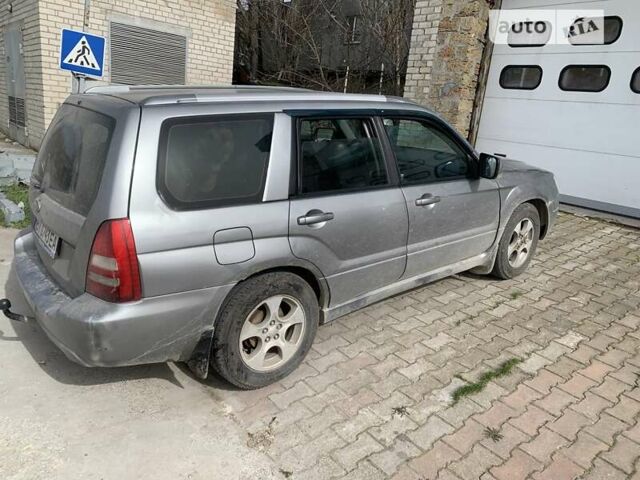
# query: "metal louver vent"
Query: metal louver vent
{"points": [[17, 111], [144, 56]]}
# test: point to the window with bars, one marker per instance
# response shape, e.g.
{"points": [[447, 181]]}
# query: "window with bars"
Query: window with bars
{"points": [[17, 111], [145, 56]]}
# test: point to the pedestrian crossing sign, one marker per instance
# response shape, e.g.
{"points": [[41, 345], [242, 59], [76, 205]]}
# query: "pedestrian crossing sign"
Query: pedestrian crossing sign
{"points": [[82, 52]]}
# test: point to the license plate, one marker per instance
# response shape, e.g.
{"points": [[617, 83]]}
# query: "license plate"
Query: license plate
{"points": [[48, 240]]}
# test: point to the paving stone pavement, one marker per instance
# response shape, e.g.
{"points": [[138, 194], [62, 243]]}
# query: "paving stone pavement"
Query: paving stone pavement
{"points": [[373, 398]]}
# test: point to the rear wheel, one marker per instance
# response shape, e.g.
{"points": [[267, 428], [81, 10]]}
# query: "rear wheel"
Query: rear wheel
{"points": [[265, 329], [518, 243]]}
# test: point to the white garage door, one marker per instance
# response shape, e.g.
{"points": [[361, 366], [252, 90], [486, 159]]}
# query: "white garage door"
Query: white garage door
{"points": [[572, 109]]}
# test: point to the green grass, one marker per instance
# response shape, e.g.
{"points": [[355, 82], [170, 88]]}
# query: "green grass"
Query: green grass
{"points": [[17, 193], [493, 434], [475, 387], [515, 295]]}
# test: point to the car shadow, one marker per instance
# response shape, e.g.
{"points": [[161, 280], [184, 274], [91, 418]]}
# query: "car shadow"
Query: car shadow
{"points": [[213, 380], [55, 364]]}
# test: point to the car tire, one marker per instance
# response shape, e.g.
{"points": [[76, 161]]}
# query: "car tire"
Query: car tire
{"points": [[265, 329], [517, 248]]}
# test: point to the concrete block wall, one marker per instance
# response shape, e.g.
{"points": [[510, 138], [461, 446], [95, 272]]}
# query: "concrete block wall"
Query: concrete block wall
{"points": [[209, 26], [444, 65]]}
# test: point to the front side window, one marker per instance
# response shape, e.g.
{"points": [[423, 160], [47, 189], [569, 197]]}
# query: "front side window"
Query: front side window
{"points": [[208, 161], [595, 31], [340, 154], [425, 153], [635, 81], [521, 77], [585, 78]]}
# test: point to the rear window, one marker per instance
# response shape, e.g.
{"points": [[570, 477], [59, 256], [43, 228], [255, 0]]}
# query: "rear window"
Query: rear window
{"points": [[72, 156], [214, 161]]}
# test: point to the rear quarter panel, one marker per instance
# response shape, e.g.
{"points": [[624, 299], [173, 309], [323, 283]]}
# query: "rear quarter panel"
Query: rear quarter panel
{"points": [[176, 248]]}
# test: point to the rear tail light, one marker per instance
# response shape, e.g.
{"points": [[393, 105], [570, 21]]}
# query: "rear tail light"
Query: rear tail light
{"points": [[113, 273]]}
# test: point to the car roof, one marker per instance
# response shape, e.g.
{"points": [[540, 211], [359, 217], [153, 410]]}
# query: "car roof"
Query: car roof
{"points": [[163, 95]]}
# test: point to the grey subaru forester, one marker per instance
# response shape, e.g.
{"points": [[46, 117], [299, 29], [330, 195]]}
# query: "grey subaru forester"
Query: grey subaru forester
{"points": [[221, 226]]}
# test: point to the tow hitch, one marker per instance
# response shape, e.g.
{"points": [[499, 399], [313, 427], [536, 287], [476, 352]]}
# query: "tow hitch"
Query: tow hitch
{"points": [[5, 306]]}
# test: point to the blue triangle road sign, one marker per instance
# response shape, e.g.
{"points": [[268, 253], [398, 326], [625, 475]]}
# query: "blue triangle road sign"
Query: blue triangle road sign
{"points": [[82, 52]]}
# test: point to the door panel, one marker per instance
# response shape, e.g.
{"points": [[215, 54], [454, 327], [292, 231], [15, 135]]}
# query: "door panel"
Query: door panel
{"points": [[362, 248], [462, 224], [452, 214]]}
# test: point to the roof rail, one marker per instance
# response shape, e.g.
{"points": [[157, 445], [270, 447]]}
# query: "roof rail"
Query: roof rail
{"points": [[108, 89], [264, 97], [133, 88]]}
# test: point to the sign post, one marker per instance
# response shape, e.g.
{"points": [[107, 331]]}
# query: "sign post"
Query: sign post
{"points": [[82, 54]]}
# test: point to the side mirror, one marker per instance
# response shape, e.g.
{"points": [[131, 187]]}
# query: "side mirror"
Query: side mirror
{"points": [[489, 166]]}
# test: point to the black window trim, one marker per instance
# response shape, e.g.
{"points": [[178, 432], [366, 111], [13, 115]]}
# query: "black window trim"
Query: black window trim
{"points": [[605, 43], [606, 67], [537, 67], [532, 45], [179, 205], [635, 73], [295, 190], [438, 125]]}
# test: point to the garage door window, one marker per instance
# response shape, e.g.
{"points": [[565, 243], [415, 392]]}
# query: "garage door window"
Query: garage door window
{"points": [[635, 81], [588, 31], [585, 78], [521, 77], [529, 34]]}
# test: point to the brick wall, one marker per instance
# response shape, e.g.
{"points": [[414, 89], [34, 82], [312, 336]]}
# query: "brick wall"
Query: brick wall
{"points": [[209, 26], [444, 64], [424, 35]]}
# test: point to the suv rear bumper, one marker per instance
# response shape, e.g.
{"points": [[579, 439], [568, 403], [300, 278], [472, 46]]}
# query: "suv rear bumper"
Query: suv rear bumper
{"points": [[93, 332]]}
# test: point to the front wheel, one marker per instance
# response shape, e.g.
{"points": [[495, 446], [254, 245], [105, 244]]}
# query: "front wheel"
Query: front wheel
{"points": [[265, 329], [518, 243]]}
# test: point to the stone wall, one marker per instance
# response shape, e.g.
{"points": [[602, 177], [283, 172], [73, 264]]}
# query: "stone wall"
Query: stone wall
{"points": [[209, 26], [444, 64]]}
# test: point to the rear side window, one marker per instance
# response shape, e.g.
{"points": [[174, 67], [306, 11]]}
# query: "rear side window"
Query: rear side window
{"points": [[214, 161], [340, 154], [585, 78], [521, 77], [635, 81], [72, 156]]}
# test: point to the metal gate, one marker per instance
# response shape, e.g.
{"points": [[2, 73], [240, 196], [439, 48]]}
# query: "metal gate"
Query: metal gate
{"points": [[587, 135], [14, 56]]}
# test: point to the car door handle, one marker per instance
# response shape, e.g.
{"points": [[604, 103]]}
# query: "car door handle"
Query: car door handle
{"points": [[314, 217], [427, 199]]}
